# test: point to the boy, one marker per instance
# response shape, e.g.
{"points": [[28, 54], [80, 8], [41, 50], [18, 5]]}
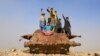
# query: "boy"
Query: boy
{"points": [[42, 20]]}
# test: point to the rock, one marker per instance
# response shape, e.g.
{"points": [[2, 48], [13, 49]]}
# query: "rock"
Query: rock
{"points": [[96, 54]]}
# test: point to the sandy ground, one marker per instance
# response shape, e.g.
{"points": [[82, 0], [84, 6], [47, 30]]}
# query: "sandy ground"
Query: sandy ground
{"points": [[21, 52]]}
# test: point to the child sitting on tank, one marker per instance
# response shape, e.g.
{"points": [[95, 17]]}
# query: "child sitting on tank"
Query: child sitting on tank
{"points": [[48, 29]]}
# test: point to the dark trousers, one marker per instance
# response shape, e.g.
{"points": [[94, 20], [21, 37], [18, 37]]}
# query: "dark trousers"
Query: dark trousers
{"points": [[68, 32], [42, 28], [59, 30], [49, 20]]}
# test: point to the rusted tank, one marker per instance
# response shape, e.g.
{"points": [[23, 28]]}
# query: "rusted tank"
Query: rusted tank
{"points": [[56, 43]]}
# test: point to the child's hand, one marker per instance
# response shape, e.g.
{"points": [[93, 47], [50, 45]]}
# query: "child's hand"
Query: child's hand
{"points": [[41, 9]]}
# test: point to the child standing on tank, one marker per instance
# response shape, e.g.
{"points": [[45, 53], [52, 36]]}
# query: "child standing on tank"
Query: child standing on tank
{"points": [[52, 19], [42, 20]]}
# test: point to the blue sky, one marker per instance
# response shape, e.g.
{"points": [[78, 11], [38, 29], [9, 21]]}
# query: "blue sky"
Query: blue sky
{"points": [[19, 17]]}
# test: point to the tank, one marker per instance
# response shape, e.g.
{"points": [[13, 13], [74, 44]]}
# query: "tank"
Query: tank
{"points": [[56, 43]]}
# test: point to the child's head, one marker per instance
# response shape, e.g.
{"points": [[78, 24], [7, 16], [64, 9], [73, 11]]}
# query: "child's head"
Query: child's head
{"points": [[67, 18], [43, 14], [48, 23], [59, 19], [51, 9]]}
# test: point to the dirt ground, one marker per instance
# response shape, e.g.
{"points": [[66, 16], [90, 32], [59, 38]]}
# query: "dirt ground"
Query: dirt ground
{"points": [[22, 52]]}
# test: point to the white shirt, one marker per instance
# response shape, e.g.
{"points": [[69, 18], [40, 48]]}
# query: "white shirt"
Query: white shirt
{"points": [[42, 18]]}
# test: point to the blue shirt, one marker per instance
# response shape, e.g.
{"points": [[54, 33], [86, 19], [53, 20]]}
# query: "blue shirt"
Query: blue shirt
{"points": [[48, 28]]}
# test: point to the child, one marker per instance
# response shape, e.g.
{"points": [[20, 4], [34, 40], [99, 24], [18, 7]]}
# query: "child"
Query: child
{"points": [[48, 29], [42, 20]]}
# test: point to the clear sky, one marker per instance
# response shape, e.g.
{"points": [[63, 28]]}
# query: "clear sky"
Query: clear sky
{"points": [[20, 17]]}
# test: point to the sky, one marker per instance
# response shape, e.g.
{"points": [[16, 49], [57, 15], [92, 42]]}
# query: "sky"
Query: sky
{"points": [[20, 17]]}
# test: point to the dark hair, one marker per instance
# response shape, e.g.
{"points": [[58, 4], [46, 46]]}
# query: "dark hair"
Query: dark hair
{"points": [[59, 18], [67, 17], [43, 14], [51, 8]]}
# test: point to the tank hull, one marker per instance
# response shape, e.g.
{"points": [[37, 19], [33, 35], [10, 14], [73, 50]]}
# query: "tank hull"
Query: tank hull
{"points": [[56, 43], [59, 48]]}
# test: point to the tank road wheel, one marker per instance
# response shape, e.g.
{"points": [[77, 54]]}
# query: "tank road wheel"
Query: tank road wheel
{"points": [[32, 50], [67, 49], [62, 51], [36, 50]]}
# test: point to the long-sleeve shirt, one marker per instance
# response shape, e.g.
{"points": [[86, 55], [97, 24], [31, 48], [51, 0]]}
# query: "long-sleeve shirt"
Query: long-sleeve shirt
{"points": [[67, 23], [42, 18]]}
